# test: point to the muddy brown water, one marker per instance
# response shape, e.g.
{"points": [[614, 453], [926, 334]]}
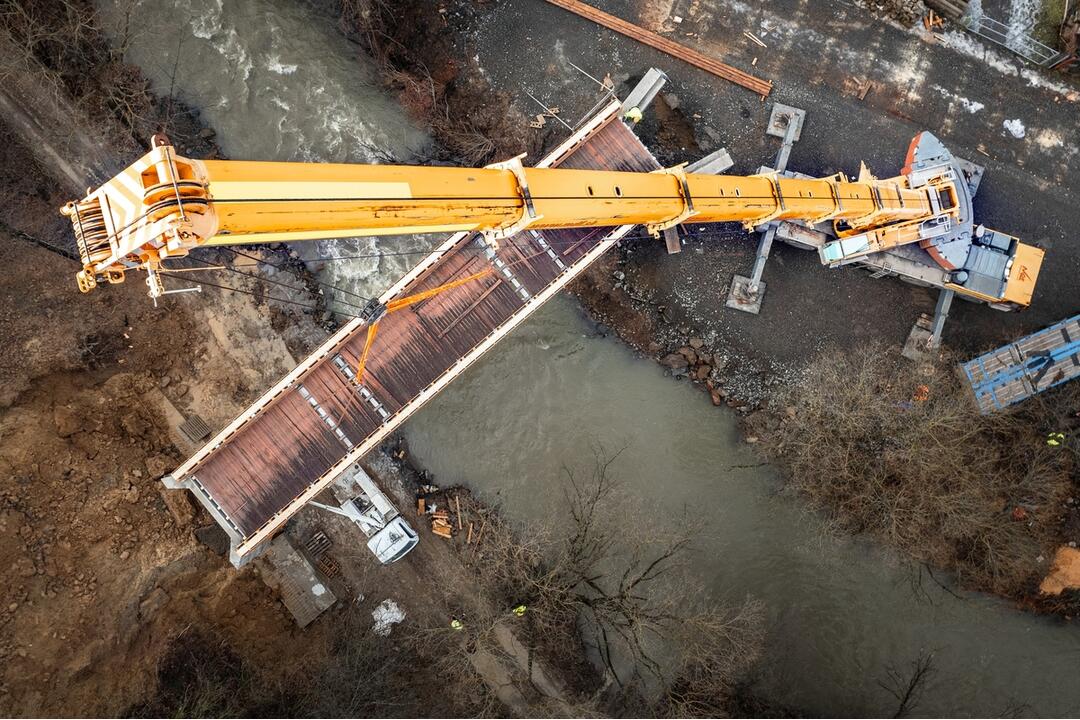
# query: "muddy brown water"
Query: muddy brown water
{"points": [[279, 82]]}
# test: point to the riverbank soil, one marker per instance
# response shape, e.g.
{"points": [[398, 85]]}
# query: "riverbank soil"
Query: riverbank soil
{"points": [[102, 568], [117, 596]]}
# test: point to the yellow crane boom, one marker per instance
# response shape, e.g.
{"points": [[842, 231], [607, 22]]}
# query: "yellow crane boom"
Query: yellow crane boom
{"points": [[165, 205]]}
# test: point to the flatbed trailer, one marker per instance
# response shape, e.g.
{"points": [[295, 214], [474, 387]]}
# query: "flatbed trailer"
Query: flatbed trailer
{"points": [[1024, 368]]}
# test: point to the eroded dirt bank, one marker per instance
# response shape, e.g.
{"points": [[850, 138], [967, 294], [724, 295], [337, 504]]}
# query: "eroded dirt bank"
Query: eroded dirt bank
{"points": [[103, 570]]}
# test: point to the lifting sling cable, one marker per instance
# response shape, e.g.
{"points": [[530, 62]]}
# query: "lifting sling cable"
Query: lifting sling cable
{"points": [[405, 302]]}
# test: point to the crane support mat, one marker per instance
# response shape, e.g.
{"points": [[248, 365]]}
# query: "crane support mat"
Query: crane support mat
{"points": [[1026, 367], [291, 444]]}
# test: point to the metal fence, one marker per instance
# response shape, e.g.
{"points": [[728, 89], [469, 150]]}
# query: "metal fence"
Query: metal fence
{"points": [[1020, 43]]}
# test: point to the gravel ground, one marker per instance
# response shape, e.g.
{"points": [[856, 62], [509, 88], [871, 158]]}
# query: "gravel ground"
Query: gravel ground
{"points": [[817, 56]]}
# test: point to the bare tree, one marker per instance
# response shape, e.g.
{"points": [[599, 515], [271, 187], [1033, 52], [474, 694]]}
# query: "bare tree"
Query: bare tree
{"points": [[908, 686], [617, 579]]}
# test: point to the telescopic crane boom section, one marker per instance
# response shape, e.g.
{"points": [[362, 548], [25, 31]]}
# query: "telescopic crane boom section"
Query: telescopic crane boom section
{"points": [[165, 205]]}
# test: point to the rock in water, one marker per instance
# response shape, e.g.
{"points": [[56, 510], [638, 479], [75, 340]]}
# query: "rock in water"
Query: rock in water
{"points": [[675, 361]]}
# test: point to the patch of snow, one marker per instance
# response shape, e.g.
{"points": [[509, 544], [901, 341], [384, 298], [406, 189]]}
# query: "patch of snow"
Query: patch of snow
{"points": [[1015, 128], [966, 44], [1039, 79], [972, 106], [386, 615]]}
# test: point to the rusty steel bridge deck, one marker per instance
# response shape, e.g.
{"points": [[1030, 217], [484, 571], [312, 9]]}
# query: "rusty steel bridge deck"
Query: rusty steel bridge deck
{"points": [[307, 429]]}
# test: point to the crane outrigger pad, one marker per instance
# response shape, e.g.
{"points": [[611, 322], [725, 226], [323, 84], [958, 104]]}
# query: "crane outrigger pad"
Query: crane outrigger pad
{"points": [[317, 421]]}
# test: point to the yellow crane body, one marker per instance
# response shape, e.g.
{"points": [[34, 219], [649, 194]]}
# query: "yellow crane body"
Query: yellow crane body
{"points": [[164, 205]]}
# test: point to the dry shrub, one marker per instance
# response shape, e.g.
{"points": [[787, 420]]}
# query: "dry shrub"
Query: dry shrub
{"points": [[980, 495], [717, 648], [63, 43]]}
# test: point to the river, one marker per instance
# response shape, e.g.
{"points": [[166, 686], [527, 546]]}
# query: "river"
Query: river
{"points": [[278, 82]]}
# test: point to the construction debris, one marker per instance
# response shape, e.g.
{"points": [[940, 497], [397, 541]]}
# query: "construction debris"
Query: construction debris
{"points": [[755, 38], [541, 119], [440, 526], [440, 519], [328, 566], [318, 544], [761, 87], [932, 20]]}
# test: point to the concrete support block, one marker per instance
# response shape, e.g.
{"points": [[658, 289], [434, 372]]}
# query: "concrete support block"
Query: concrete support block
{"points": [[740, 297]]}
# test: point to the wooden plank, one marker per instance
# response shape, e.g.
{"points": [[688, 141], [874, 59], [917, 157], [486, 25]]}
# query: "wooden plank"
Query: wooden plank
{"points": [[659, 42]]}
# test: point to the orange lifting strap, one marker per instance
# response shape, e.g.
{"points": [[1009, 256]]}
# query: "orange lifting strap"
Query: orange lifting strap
{"points": [[405, 302]]}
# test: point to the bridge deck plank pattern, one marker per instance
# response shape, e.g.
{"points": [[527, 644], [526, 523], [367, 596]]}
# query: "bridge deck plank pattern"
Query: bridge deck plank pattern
{"points": [[284, 448]]}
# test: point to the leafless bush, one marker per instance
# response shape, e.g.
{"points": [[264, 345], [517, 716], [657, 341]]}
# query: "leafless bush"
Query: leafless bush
{"points": [[358, 674], [367, 675], [976, 494], [436, 84], [62, 43], [717, 647]]}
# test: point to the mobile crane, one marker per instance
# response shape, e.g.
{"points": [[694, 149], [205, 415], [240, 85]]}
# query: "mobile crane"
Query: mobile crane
{"points": [[163, 206], [315, 423]]}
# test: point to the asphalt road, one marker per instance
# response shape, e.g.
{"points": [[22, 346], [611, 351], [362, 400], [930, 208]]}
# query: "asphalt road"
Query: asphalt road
{"points": [[817, 55]]}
